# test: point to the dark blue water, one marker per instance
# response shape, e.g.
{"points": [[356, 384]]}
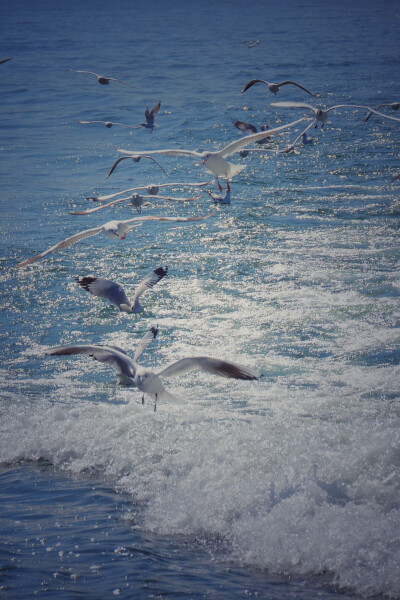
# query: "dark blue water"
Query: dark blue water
{"points": [[283, 488]]}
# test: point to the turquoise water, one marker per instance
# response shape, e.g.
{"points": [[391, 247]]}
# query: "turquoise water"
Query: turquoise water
{"points": [[287, 487]]}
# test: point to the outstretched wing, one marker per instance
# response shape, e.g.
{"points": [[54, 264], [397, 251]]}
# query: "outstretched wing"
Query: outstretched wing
{"points": [[282, 83], [249, 139], [146, 341], [88, 72], [289, 104], [106, 354], [168, 219], [155, 110], [149, 282], [209, 365], [64, 244], [104, 288], [250, 83], [167, 152]]}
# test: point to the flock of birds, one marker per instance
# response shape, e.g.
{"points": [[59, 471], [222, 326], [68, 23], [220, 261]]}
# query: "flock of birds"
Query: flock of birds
{"points": [[129, 371]]}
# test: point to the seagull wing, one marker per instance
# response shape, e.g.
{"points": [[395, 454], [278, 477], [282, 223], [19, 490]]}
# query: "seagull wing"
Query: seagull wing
{"points": [[155, 110], [64, 244], [209, 365], [249, 139], [119, 81], [92, 210], [110, 355], [168, 219], [116, 164], [148, 282], [88, 72], [282, 83], [145, 342], [250, 83], [288, 104], [105, 288], [167, 152]]}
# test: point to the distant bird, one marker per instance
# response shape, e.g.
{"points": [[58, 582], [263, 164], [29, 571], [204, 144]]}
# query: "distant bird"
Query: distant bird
{"points": [[249, 129], [5, 60], [137, 201], [394, 105], [108, 124], [150, 117], [152, 189], [215, 161], [113, 230], [395, 178], [130, 373], [104, 80], [250, 43], [135, 159], [274, 87], [218, 199], [115, 293]]}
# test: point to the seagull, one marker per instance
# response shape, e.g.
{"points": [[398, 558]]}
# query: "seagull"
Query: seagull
{"points": [[152, 189], [115, 293], [217, 199], [250, 43], [135, 159], [322, 115], [130, 373], [103, 80], [150, 116], [113, 230], [137, 201], [306, 139], [394, 105], [274, 87], [215, 161], [108, 124]]}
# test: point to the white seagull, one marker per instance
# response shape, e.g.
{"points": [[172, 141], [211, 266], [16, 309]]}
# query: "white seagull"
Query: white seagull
{"points": [[129, 372], [115, 293], [152, 189], [215, 161], [103, 80], [274, 87], [322, 115], [113, 230], [137, 201], [108, 124]]}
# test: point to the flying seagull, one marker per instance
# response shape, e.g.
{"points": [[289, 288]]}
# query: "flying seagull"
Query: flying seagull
{"points": [[135, 159], [129, 372], [113, 230], [108, 124], [274, 87], [115, 293], [103, 80], [322, 115], [218, 199], [394, 105], [150, 116], [152, 189], [215, 161], [137, 201]]}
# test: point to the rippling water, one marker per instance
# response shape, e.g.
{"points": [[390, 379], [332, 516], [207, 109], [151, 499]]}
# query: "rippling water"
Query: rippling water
{"points": [[283, 488]]}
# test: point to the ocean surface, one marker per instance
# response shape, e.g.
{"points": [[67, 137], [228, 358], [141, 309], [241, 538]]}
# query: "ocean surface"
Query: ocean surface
{"points": [[282, 488]]}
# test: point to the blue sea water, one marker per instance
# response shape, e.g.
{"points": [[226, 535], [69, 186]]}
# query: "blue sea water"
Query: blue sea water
{"points": [[282, 488]]}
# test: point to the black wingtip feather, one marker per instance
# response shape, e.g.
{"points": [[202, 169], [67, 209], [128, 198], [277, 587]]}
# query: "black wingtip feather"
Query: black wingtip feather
{"points": [[161, 271], [85, 282]]}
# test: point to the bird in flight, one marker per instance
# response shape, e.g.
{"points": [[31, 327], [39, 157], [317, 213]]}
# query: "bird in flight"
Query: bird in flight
{"points": [[274, 87], [104, 80]]}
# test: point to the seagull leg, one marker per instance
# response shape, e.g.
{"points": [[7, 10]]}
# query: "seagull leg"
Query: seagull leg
{"points": [[219, 185], [143, 399], [155, 402]]}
